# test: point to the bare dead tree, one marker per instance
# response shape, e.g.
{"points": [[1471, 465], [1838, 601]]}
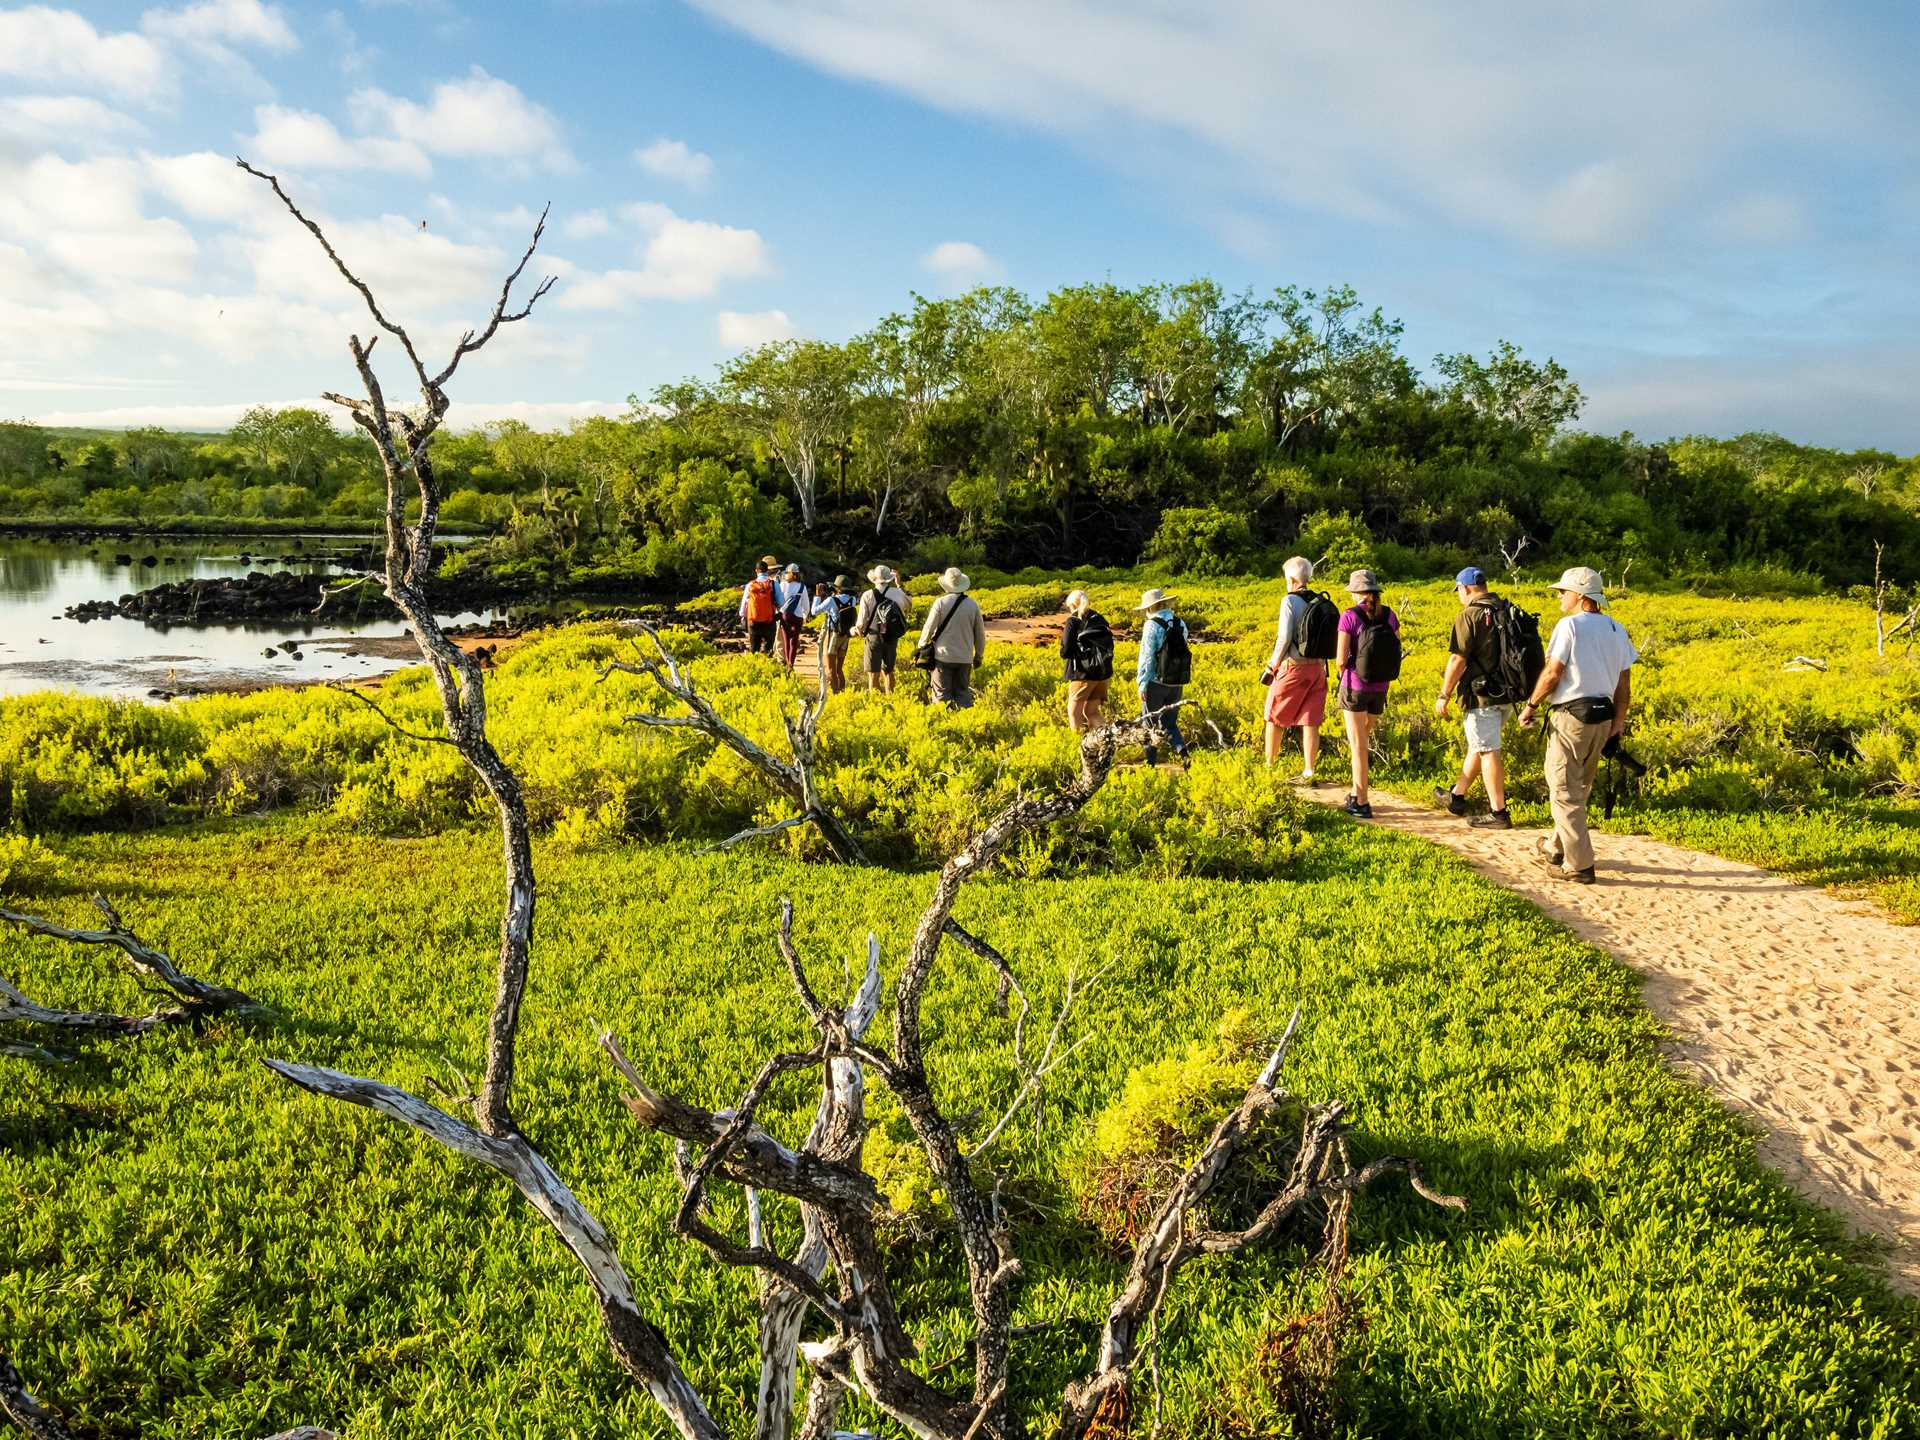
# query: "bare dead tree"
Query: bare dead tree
{"points": [[839, 1272], [402, 439], [1510, 553], [188, 998], [1908, 624], [1865, 478], [791, 778]]}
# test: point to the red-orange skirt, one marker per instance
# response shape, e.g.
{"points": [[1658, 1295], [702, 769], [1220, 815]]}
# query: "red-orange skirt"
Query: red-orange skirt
{"points": [[1298, 695]]}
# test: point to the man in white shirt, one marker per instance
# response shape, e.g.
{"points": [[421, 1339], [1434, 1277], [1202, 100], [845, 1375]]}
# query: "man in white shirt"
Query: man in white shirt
{"points": [[1588, 682], [796, 604]]}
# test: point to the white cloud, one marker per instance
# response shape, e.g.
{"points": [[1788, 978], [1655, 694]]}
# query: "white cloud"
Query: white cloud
{"points": [[746, 331], [586, 225], [674, 160], [85, 217], [962, 264], [480, 117], [304, 140], [1555, 129], [681, 259], [219, 22], [63, 119], [208, 186], [49, 46], [414, 270]]}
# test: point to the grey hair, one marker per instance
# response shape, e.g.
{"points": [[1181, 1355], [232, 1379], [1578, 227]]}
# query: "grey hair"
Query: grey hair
{"points": [[1077, 601], [1299, 568]]}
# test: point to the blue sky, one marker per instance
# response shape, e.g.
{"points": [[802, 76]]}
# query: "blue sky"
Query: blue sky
{"points": [[1710, 212]]}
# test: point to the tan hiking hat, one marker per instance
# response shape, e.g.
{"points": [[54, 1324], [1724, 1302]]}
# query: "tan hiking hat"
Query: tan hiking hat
{"points": [[1583, 580], [882, 575], [1363, 582], [1154, 599], [954, 581], [769, 562]]}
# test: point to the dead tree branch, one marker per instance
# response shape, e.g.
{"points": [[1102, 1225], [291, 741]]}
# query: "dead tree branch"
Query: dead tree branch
{"points": [[194, 999], [342, 688], [792, 779], [18, 1405], [1320, 1172]]}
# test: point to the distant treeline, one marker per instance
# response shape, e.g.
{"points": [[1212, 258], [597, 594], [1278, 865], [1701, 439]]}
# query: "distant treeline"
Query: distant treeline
{"points": [[1175, 423]]}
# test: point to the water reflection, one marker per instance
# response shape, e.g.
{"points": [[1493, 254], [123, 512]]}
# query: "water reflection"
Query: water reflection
{"points": [[39, 649]]}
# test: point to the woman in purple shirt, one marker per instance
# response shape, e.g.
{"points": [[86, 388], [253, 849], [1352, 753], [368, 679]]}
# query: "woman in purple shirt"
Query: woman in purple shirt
{"points": [[1368, 661]]}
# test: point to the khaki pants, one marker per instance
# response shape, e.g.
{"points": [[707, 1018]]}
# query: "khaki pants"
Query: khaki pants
{"points": [[1573, 760], [1087, 704]]}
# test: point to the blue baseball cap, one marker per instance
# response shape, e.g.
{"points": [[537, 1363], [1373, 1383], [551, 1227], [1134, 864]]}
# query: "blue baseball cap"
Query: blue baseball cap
{"points": [[1472, 575]]}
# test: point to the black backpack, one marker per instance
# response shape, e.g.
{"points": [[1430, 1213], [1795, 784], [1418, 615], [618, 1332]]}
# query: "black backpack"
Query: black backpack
{"points": [[843, 614], [1322, 638], [1176, 655], [1519, 656], [887, 620], [1376, 650], [1093, 649]]}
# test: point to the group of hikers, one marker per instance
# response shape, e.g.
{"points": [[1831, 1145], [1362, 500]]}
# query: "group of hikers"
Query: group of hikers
{"points": [[1496, 666]]}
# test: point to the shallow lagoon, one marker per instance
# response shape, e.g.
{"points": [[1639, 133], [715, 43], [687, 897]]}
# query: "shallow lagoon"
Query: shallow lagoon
{"points": [[41, 650]]}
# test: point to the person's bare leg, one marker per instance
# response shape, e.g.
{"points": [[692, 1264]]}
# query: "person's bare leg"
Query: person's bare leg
{"points": [[1309, 748], [1493, 769], [1273, 742], [1363, 760], [1469, 772], [1356, 749]]}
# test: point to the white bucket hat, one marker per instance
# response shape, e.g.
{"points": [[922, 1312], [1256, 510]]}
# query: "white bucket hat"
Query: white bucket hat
{"points": [[1153, 599], [882, 575], [1582, 580], [954, 582]]}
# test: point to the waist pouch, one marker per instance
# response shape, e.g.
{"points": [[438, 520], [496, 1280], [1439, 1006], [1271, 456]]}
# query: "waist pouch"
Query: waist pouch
{"points": [[1589, 709]]}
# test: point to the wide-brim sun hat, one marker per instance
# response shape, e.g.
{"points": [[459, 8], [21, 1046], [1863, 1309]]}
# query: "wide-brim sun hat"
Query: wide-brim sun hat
{"points": [[1583, 580], [881, 575], [1363, 582], [954, 581], [1154, 599], [769, 561]]}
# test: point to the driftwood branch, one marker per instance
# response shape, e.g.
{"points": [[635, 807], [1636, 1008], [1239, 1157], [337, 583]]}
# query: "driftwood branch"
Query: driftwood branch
{"points": [[1320, 1172], [18, 1404], [636, 1344], [196, 998]]}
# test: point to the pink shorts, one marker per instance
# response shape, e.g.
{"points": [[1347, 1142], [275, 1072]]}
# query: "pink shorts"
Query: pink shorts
{"points": [[1298, 695]]}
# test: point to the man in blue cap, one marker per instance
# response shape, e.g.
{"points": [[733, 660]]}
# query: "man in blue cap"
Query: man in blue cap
{"points": [[1475, 672]]}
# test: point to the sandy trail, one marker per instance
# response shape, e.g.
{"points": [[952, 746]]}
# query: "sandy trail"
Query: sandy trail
{"points": [[1799, 1010]]}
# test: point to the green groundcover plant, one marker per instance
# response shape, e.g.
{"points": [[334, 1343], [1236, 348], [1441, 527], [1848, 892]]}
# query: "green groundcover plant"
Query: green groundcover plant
{"points": [[1814, 772], [190, 1247]]}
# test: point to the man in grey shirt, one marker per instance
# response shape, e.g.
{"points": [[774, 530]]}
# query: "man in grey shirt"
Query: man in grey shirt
{"points": [[957, 631]]}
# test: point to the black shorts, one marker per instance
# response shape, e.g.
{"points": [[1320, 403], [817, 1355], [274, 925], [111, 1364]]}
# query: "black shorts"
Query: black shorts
{"points": [[1363, 702], [881, 654]]}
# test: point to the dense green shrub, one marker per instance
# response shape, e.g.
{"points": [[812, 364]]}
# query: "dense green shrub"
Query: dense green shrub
{"points": [[1202, 541]]}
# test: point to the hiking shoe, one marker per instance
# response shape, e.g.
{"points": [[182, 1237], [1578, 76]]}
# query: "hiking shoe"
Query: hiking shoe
{"points": [[1305, 777], [1549, 853], [1492, 820], [1186, 760], [1359, 809], [1455, 802], [1577, 877]]}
